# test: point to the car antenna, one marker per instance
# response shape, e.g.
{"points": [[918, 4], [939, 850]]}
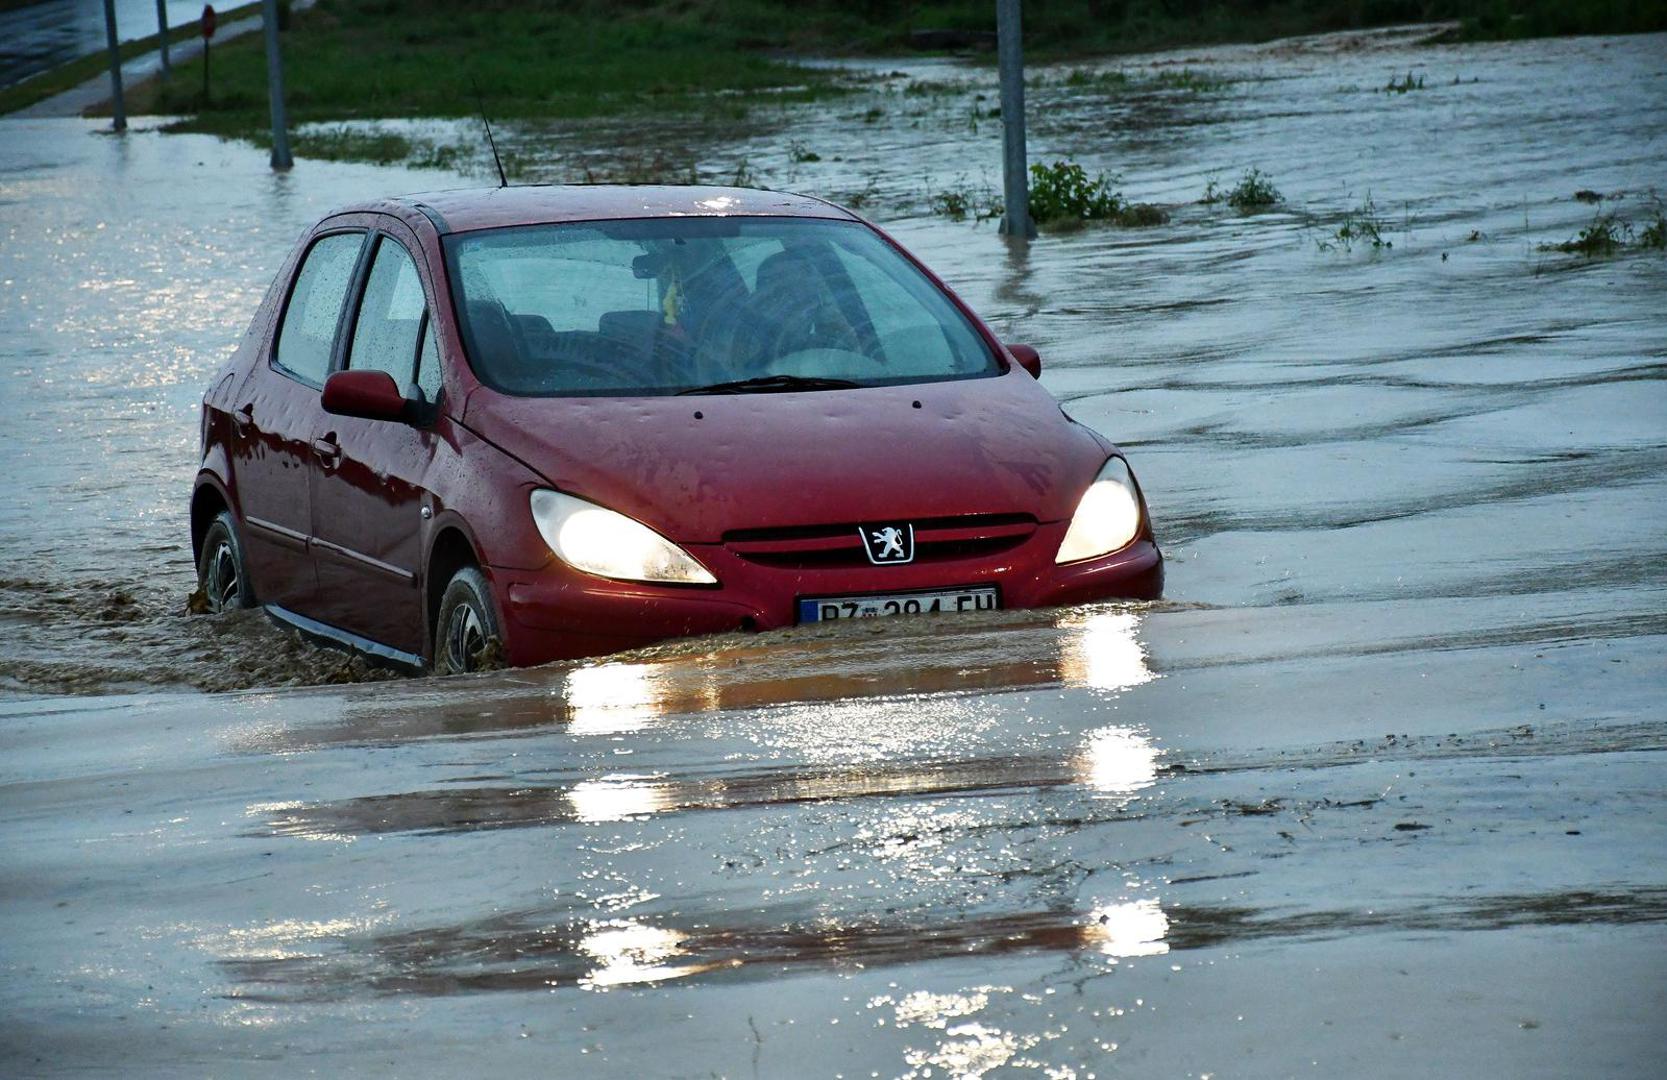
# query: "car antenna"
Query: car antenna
{"points": [[503, 181]]}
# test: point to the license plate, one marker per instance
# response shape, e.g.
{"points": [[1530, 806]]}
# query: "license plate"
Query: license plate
{"points": [[829, 608]]}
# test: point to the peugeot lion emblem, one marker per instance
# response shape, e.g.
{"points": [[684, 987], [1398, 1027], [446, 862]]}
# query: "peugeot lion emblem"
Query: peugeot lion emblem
{"points": [[888, 544]]}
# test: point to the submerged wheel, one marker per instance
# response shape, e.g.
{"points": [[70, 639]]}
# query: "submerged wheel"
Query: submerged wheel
{"points": [[222, 575], [466, 633]]}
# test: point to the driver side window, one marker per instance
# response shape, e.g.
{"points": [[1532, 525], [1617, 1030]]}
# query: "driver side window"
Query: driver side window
{"points": [[392, 317]]}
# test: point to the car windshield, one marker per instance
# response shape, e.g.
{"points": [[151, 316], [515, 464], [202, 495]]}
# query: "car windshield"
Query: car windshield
{"points": [[690, 305]]}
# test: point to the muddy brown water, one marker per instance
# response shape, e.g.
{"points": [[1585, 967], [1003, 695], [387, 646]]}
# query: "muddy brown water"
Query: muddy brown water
{"points": [[1375, 791]]}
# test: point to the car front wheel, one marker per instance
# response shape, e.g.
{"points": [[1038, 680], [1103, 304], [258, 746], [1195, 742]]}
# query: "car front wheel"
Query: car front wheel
{"points": [[222, 575], [466, 633]]}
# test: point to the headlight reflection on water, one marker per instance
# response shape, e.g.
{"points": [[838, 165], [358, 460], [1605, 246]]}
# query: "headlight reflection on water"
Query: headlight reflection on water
{"points": [[1102, 651], [610, 699], [619, 798], [1137, 928]]}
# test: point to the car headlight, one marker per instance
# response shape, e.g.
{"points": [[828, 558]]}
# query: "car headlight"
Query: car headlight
{"points": [[600, 541], [1107, 518]]}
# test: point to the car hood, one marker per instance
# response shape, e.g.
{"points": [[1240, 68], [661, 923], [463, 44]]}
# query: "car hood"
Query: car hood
{"points": [[696, 467]]}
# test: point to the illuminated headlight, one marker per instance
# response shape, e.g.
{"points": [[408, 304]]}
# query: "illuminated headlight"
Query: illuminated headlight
{"points": [[1107, 518], [599, 541]]}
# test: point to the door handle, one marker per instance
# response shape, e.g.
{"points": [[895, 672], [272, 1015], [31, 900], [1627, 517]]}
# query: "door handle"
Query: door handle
{"points": [[244, 418], [327, 451]]}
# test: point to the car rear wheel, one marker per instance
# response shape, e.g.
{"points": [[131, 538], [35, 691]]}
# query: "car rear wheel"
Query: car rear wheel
{"points": [[222, 575], [466, 634]]}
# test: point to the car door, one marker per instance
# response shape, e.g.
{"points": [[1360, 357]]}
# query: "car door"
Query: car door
{"points": [[276, 412], [367, 486]]}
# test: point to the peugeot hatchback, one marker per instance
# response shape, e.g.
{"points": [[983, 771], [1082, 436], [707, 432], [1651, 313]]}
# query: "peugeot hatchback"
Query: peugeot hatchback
{"points": [[529, 423]]}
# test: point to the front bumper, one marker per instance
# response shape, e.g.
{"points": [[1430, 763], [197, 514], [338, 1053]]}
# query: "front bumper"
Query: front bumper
{"points": [[559, 613]]}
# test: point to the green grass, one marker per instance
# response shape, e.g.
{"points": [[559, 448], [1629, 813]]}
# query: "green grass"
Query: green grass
{"points": [[1363, 226], [1606, 235], [1063, 191], [1254, 191], [1062, 196], [346, 59], [715, 59], [1654, 235], [76, 72]]}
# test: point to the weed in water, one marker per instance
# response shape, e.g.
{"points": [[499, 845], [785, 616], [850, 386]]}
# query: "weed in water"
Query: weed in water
{"points": [[1604, 236], [1402, 86], [856, 200], [1588, 196], [1062, 191], [1141, 215], [873, 115], [1654, 235], [1212, 194], [1360, 226], [1197, 82], [1255, 191], [800, 153], [962, 200]]}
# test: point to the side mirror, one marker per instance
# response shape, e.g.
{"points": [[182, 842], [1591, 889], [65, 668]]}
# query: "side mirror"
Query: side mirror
{"points": [[1028, 358], [372, 395]]}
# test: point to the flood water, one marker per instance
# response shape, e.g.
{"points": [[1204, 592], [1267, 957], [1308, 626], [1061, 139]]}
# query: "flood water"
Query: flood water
{"points": [[1375, 791]]}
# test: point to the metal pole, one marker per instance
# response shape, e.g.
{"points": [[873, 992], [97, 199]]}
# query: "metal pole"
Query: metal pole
{"points": [[118, 107], [1015, 182], [162, 35], [274, 86]]}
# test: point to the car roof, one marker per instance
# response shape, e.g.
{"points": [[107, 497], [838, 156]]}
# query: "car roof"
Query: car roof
{"points": [[467, 209]]}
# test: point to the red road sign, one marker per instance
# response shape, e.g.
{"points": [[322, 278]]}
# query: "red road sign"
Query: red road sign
{"points": [[208, 21]]}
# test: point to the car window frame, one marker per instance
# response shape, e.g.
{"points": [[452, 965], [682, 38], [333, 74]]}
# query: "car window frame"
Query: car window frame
{"points": [[355, 283], [361, 282]]}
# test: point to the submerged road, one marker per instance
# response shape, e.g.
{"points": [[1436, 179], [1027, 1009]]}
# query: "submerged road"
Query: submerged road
{"points": [[1377, 791]]}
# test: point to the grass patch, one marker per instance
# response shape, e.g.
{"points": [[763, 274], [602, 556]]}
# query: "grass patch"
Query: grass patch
{"points": [[1063, 196], [1254, 191], [1110, 81], [962, 201], [73, 74], [1063, 191], [1363, 226], [1606, 235], [353, 59], [1653, 236]]}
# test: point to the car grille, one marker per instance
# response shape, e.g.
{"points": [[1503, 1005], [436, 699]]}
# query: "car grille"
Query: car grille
{"points": [[815, 547]]}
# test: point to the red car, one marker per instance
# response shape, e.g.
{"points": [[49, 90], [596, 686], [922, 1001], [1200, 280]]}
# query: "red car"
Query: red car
{"points": [[530, 423]]}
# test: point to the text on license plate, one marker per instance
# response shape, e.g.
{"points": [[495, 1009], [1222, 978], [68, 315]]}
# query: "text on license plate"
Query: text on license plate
{"points": [[822, 609]]}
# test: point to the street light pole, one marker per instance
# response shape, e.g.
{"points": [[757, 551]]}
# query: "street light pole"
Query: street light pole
{"points": [[118, 107], [274, 86], [1015, 182]]}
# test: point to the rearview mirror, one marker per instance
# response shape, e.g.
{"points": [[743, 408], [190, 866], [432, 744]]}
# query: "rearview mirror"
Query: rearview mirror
{"points": [[1028, 358], [372, 395]]}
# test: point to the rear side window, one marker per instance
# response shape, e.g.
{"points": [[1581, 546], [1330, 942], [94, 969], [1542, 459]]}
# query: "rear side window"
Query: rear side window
{"points": [[308, 334], [390, 317]]}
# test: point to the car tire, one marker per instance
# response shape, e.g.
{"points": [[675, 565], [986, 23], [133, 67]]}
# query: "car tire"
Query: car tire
{"points": [[466, 635], [222, 573]]}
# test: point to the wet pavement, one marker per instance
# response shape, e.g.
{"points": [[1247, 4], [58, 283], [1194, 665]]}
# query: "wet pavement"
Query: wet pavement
{"points": [[1375, 791]]}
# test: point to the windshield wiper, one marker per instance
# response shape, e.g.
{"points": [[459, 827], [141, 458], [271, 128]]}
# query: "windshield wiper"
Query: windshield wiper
{"points": [[767, 384]]}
